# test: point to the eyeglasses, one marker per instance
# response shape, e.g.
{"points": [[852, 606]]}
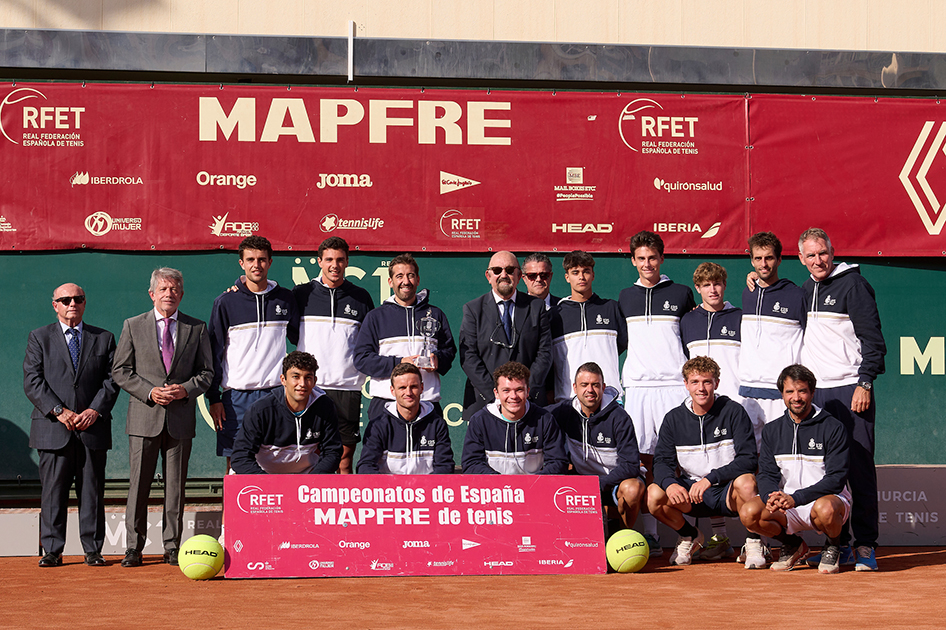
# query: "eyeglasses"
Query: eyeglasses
{"points": [[68, 299], [545, 275], [499, 334], [497, 271]]}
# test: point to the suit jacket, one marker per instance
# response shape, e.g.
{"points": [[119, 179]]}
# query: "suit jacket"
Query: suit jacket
{"points": [[49, 380], [480, 356], [138, 368]]}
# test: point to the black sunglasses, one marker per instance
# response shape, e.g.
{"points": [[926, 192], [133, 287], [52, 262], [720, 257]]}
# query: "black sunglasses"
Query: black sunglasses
{"points": [[497, 271], [67, 300], [545, 275]]}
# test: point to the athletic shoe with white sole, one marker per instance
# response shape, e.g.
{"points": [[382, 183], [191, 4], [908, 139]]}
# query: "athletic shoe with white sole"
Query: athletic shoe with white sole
{"points": [[653, 543], [754, 554], [790, 557], [866, 559], [830, 559], [717, 548], [683, 553], [847, 558]]}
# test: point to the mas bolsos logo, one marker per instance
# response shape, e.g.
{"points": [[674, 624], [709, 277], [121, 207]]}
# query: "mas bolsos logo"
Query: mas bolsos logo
{"points": [[567, 500], [252, 500], [101, 223], [42, 126]]}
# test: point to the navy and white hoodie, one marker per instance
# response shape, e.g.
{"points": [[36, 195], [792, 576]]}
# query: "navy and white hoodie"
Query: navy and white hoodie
{"points": [[532, 445], [396, 446], [392, 332], [807, 460], [603, 444], [593, 330], [719, 445], [652, 314], [843, 341], [715, 335], [773, 324], [330, 322], [248, 333], [274, 440]]}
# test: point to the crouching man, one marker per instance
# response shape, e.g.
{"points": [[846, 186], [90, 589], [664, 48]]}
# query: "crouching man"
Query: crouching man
{"points": [[292, 430], [803, 471], [709, 440]]}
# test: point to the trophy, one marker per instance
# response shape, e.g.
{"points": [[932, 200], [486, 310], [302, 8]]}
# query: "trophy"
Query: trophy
{"points": [[428, 327]]}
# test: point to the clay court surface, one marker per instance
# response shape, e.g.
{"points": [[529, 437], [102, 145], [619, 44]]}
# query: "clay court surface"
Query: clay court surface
{"points": [[909, 592]]}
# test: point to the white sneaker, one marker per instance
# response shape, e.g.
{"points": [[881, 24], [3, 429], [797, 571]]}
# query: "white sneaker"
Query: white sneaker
{"points": [[686, 547], [754, 554]]}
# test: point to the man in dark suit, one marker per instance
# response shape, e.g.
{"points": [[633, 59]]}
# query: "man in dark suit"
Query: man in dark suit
{"points": [[67, 377], [503, 325], [164, 361]]}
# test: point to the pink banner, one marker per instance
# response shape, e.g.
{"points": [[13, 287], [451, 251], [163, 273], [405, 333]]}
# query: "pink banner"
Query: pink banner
{"points": [[371, 525]]}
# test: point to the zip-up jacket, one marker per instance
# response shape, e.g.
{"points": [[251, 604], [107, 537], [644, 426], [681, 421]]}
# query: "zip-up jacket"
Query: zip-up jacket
{"points": [[330, 322], [715, 335], [398, 447], [532, 445], [843, 341], [719, 445], [603, 444], [807, 460], [773, 324], [586, 331], [652, 314], [392, 332], [274, 440], [248, 333]]}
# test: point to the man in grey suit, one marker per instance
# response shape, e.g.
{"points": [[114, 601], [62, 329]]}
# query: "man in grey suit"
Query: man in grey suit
{"points": [[503, 325], [164, 361], [67, 377]]}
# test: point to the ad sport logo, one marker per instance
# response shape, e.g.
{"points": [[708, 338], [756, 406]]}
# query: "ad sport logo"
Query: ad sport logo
{"points": [[931, 213], [221, 227]]}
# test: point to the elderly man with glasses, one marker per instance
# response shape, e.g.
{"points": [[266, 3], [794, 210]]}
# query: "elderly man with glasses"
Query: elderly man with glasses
{"points": [[501, 326]]}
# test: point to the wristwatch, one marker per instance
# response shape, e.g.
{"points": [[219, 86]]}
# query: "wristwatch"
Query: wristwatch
{"points": [[866, 385], [57, 410]]}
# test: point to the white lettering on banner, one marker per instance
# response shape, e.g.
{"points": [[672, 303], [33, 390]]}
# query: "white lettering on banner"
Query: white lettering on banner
{"points": [[902, 495], [343, 496], [911, 357], [379, 516], [485, 496], [335, 113], [677, 126], [342, 180], [580, 228], [239, 181]]}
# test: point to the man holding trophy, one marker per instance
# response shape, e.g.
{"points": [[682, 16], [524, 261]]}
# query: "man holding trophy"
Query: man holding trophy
{"points": [[404, 329]]}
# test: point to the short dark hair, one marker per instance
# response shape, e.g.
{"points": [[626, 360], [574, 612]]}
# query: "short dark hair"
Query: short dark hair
{"points": [[405, 368], [256, 242], [402, 259], [537, 257], [701, 365], [797, 373], [647, 239], [333, 242], [763, 240], [513, 370], [592, 368], [299, 360], [578, 258]]}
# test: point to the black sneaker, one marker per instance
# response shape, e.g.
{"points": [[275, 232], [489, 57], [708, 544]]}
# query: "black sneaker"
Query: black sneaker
{"points": [[830, 559]]}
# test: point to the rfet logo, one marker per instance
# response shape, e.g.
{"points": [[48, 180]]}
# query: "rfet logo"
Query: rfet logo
{"points": [[930, 211], [643, 129], [42, 125], [465, 223], [567, 500], [252, 500]]}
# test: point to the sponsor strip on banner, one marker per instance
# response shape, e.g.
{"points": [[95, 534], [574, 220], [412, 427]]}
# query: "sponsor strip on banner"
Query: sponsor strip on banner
{"points": [[319, 526]]}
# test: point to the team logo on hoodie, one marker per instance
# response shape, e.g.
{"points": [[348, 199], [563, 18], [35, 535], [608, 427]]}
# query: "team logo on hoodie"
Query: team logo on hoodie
{"points": [[670, 307], [719, 432], [778, 308], [527, 438], [602, 320], [829, 301], [350, 311], [814, 446], [724, 331], [602, 439]]}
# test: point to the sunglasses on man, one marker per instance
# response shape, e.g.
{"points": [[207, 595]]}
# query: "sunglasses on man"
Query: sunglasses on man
{"points": [[68, 299], [498, 271], [545, 275]]}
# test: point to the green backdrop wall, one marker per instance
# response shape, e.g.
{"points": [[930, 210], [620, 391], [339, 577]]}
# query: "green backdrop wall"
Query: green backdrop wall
{"points": [[910, 396]]}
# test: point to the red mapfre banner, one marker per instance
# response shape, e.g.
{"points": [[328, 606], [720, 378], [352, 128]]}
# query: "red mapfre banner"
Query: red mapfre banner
{"points": [[360, 525], [142, 167], [871, 172]]}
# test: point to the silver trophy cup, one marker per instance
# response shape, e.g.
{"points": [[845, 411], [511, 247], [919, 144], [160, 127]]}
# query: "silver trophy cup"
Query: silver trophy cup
{"points": [[428, 327]]}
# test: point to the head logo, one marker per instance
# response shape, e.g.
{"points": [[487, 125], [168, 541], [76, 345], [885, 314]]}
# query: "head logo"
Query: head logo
{"points": [[329, 222], [628, 114], [567, 500], [79, 179], [13, 97], [98, 223], [931, 213]]}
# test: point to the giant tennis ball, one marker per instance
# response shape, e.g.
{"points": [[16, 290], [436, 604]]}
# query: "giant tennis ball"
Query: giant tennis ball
{"points": [[627, 551], [200, 557]]}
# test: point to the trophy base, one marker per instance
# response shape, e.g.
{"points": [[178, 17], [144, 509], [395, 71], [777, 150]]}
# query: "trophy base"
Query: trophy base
{"points": [[423, 362]]}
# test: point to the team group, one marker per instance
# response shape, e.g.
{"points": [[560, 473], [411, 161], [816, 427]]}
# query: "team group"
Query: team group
{"points": [[680, 438]]}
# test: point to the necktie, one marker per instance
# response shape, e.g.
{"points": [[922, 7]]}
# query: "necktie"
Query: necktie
{"points": [[507, 319], [74, 346], [167, 345]]}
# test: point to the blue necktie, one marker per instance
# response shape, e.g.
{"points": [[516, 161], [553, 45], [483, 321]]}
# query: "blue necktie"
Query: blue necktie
{"points": [[507, 319], [74, 347]]}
